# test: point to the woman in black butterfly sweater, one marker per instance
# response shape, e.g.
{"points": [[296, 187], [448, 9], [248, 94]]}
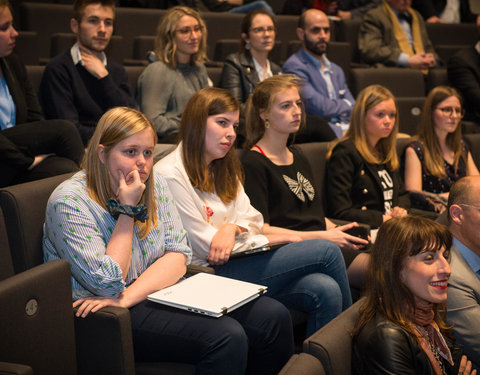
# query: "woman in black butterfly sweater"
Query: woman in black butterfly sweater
{"points": [[278, 179]]}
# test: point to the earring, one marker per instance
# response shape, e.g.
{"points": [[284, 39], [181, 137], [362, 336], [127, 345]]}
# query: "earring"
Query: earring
{"points": [[267, 124], [247, 46]]}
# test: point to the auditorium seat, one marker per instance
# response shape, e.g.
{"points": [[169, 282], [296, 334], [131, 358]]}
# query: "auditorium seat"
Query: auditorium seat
{"points": [[347, 31], [400, 81], [45, 19], [35, 73], [452, 34], [410, 111], [26, 46]]}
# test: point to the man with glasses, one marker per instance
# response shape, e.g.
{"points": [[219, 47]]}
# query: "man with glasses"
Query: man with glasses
{"points": [[80, 84], [325, 93], [463, 303]]}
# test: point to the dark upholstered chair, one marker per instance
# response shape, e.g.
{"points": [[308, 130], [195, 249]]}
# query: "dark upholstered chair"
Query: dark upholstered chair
{"points": [[36, 314], [453, 34], [347, 31], [303, 364], [26, 46], [332, 344], [35, 73], [133, 74], [437, 77], [45, 19], [400, 81], [37, 317], [104, 339], [409, 110]]}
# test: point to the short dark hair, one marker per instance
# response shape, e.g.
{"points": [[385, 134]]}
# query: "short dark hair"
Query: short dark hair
{"points": [[459, 194], [5, 4], [80, 5]]}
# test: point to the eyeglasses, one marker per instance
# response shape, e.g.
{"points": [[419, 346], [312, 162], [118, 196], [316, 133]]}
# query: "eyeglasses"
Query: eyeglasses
{"points": [[448, 111], [190, 30], [263, 30]]}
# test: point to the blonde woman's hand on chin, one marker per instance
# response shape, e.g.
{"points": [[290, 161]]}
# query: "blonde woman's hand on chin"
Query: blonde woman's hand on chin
{"points": [[130, 188]]}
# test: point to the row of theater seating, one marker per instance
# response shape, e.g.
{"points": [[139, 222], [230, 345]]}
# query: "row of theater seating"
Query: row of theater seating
{"points": [[406, 84], [36, 300], [136, 28]]}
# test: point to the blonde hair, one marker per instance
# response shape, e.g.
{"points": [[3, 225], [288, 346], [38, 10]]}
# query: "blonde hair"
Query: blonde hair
{"points": [[434, 162], [222, 176], [385, 151], [262, 100], [114, 126], [165, 46]]}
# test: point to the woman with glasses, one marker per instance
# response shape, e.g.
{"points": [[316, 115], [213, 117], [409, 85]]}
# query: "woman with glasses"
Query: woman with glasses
{"points": [[244, 70], [166, 85], [437, 156]]}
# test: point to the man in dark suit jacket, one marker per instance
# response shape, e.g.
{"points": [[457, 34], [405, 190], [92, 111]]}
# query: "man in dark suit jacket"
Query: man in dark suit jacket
{"points": [[464, 75], [463, 302], [431, 11], [394, 34]]}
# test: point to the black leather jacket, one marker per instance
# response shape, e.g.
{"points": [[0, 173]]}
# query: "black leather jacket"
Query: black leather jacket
{"points": [[240, 77], [383, 348]]}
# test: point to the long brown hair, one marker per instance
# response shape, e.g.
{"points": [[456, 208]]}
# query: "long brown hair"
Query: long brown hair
{"points": [[222, 176], [434, 162], [114, 126], [386, 294], [262, 100], [385, 151], [165, 45]]}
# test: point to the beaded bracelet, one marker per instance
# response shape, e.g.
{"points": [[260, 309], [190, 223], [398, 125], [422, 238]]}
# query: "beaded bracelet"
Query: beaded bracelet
{"points": [[137, 212]]}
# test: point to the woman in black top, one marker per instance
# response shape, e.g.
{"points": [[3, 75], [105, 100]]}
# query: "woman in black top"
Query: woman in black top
{"points": [[363, 183], [278, 179]]}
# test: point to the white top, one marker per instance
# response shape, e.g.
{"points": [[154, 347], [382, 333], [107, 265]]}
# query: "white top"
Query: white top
{"points": [[203, 213]]}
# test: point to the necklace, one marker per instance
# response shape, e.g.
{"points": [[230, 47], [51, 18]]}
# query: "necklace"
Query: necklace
{"points": [[433, 350]]}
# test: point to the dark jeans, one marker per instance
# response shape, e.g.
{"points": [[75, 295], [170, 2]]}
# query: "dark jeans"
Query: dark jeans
{"points": [[260, 332], [309, 276], [59, 137]]}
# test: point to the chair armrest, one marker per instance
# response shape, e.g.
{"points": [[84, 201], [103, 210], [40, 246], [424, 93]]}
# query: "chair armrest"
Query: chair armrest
{"points": [[37, 304], [303, 364], [7, 368], [104, 342]]}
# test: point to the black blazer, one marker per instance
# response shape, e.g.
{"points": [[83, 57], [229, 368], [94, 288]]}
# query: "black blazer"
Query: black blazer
{"points": [[353, 188], [240, 77], [383, 347], [430, 8], [464, 74], [26, 102]]}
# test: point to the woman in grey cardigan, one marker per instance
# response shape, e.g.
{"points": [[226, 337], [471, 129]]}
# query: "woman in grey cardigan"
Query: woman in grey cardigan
{"points": [[167, 84]]}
